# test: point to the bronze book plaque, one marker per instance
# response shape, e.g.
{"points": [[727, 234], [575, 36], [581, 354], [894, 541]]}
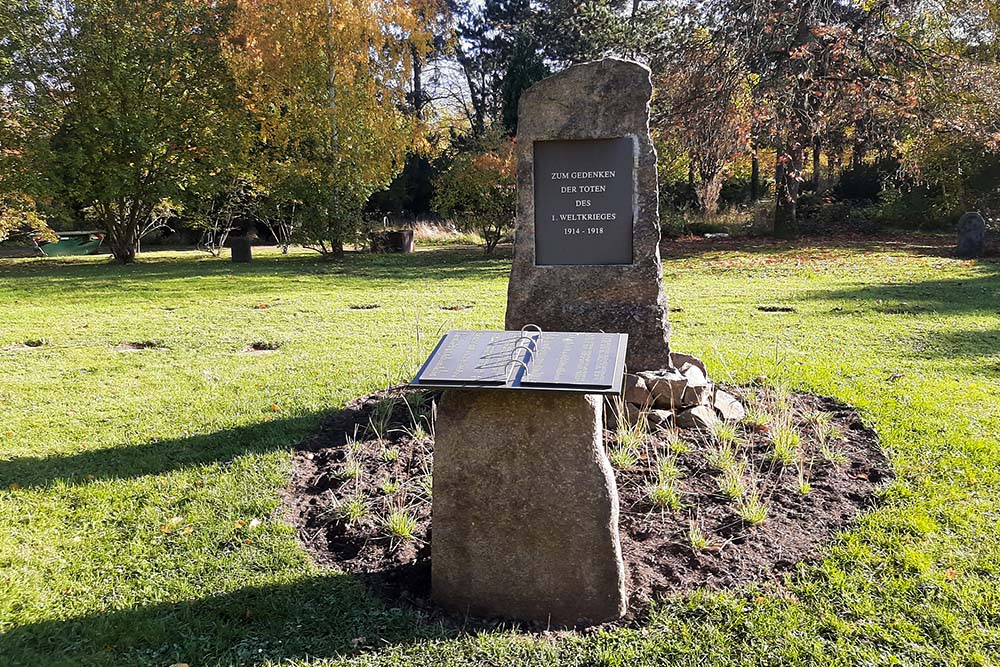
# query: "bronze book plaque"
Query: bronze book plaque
{"points": [[550, 360]]}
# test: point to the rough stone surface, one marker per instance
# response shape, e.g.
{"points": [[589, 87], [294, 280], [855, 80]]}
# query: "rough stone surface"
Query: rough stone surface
{"points": [[604, 99], [700, 417], [666, 387], [635, 390], [679, 360], [971, 235], [660, 418], [698, 390], [728, 406], [525, 509]]}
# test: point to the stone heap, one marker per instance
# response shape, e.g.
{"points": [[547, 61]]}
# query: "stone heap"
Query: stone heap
{"points": [[681, 395]]}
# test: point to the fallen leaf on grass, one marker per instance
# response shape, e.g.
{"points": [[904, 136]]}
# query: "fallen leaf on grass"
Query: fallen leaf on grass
{"points": [[261, 306], [239, 524], [950, 574]]}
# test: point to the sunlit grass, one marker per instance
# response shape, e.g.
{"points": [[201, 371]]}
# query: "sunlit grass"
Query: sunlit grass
{"points": [[100, 449]]}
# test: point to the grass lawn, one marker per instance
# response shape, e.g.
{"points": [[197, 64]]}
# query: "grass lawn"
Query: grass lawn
{"points": [[139, 489]]}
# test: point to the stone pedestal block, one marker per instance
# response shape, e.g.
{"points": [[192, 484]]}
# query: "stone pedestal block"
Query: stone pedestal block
{"points": [[525, 513]]}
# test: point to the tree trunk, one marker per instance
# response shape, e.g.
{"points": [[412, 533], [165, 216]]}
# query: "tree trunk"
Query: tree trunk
{"points": [[418, 83], [817, 175], [859, 149], [787, 170], [707, 192], [122, 239], [755, 176]]}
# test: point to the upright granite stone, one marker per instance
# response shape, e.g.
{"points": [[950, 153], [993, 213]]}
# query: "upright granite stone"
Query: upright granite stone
{"points": [[586, 244], [525, 515], [971, 235]]}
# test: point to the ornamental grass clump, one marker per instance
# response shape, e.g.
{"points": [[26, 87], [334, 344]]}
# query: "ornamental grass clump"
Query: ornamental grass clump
{"points": [[663, 492], [721, 457], [664, 496], [623, 458], [351, 469], [725, 433], [733, 483], [785, 443], [381, 417], [697, 538], [752, 508], [400, 524], [352, 509], [757, 418]]}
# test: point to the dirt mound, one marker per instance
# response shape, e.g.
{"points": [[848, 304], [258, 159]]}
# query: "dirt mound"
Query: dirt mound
{"points": [[742, 503]]}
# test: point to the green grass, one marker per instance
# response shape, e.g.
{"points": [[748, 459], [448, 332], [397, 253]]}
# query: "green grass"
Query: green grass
{"points": [[130, 482]]}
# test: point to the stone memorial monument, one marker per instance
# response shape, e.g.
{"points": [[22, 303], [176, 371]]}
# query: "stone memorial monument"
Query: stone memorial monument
{"points": [[971, 235], [586, 243]]}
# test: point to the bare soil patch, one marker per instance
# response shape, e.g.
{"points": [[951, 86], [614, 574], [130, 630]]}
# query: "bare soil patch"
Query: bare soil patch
{"points": [[371, 464], [32, 344], [261, 347], [136, 346]]}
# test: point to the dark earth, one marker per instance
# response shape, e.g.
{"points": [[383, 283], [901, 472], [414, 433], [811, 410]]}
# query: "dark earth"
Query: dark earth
{"points": [[375, 456]]}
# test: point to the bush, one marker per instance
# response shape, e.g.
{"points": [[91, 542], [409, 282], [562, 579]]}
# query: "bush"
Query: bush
{"points": [[479, 192]]}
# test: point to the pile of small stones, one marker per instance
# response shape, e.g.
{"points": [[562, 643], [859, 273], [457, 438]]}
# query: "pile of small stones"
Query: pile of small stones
{"points": [[681, 396]]}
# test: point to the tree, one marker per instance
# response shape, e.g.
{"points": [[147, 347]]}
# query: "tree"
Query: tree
{"points": [[18, 216], [505, 46], [326, 81], [479, 192], [151, 118], [703, 108], [33, 62]]}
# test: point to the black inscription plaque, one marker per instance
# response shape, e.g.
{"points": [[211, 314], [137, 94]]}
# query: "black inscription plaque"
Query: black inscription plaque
{"points": [[584, 201], [552, 360]]}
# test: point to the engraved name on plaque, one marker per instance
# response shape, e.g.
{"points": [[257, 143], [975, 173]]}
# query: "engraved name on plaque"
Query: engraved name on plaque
{"points": [[584, 201]]}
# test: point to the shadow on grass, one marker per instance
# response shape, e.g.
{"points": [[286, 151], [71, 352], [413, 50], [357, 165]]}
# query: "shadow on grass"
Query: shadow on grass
{"points": [[945, 296], [56, 277], [924, 245], [154, 458], [327, 616]]}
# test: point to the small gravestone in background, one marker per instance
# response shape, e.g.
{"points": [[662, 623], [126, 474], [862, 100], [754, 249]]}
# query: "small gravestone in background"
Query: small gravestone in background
{"points": [[241, 250], [586, 244], [971, 235]]}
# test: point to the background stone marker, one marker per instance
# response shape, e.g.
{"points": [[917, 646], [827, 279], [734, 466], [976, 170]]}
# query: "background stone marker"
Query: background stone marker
{"points": [[971, 235], [588, 283], [525, 509]]}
